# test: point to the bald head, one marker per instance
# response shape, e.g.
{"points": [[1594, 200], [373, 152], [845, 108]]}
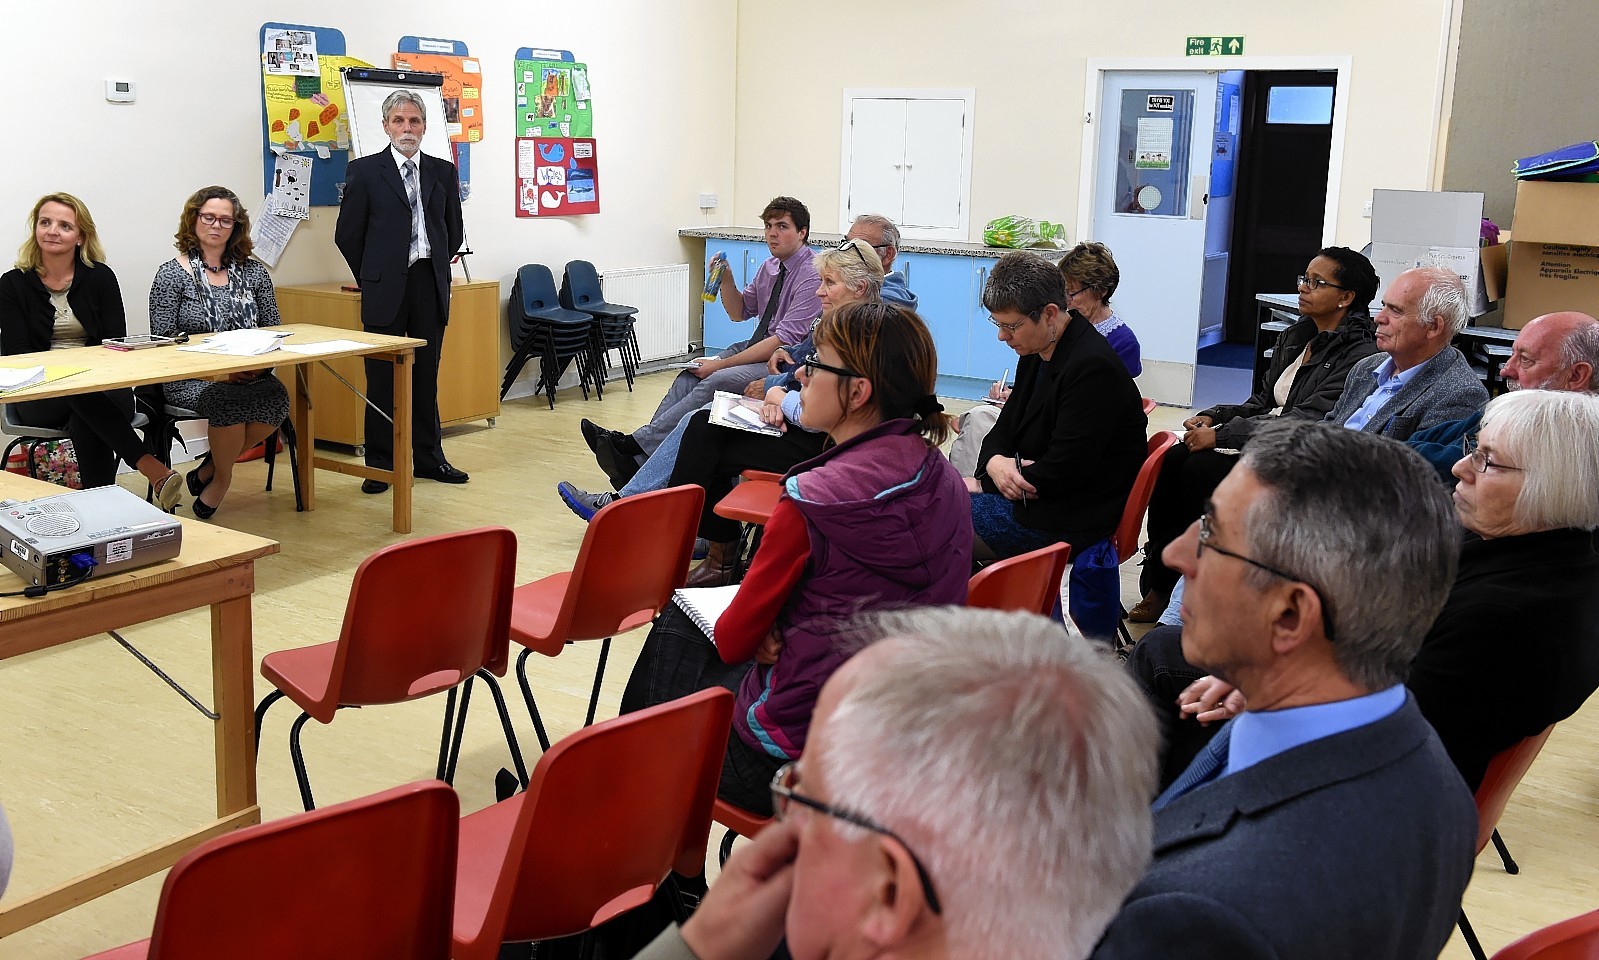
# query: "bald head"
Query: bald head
{"points": [[1557, 351]]}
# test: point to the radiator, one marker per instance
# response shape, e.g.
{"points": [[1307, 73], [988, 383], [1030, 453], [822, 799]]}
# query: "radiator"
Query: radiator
{"points": [[662, 297]]}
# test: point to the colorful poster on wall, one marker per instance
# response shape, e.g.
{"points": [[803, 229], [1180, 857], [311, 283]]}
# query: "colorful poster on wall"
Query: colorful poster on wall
{"points": [[556, 177], [553, 99], [308, 113], [463, 90]]}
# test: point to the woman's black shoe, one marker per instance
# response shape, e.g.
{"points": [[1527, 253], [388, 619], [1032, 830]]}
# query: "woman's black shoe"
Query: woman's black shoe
{"points": [[194, 481]]}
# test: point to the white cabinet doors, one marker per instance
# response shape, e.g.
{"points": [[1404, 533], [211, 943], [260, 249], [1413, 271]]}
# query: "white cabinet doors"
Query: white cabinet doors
{"points": [[908, 157]]}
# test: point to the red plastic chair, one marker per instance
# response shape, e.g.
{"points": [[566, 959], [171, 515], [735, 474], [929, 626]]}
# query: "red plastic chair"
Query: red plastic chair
{"points": [[1126, 537], [739, 823], [610, 812], [753, 500], [424, 616], [1029, 582], [1498, 783], [370, 878], [635, 552], [1574, 939], [1149, 406]]}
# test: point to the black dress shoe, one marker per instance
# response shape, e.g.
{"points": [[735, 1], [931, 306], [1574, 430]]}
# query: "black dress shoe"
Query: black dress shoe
{"points": [[619, 467], [374, 486], [443, 473], [591, 433]]}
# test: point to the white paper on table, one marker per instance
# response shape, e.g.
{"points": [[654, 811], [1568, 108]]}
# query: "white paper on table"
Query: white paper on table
{"points": [[15, 378], [270, 233], [325, 346], [238, 343]]}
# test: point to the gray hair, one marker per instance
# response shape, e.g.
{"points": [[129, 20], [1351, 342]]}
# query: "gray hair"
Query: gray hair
{"points": [[1016, 760], [393, 100], [1553, 436], [1582, 346], [882, 223], [856, 264], [1364, 520], [1444, 297], [1024, 282]]}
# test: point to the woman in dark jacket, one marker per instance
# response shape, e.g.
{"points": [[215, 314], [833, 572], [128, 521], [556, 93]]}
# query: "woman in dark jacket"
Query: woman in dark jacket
{"points": [[1309, 365], [61, 295]]}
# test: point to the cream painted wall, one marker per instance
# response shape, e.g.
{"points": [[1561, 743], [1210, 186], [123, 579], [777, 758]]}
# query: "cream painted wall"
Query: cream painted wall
{"points": [[197, 121], [1027, 58]]}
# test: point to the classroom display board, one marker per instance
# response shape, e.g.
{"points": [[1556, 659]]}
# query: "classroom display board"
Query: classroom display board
{"points": [[556, 177], [367, 87], [303, 108], [553, 99], [462, 91]]}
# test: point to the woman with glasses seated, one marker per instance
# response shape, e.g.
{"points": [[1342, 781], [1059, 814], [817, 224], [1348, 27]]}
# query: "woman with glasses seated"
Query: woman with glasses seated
{"points": [[62, 295], [214, 285], [1512, 651], [879, 519], [1309, 364]]}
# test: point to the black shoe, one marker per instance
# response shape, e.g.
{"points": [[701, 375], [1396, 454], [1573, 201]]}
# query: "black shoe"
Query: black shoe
{"points": [[199, 506], [443, 473], [619, 467], [592, 432], [374, 486], [193, 479]]}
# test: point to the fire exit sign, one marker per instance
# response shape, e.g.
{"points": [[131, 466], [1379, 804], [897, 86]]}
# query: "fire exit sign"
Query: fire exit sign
{"points": [[1215, 46]]}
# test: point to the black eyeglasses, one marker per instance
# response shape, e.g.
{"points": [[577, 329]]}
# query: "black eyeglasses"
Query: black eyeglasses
{"points": [[1073, 293], [213, 220], [1481, 461], [783, 794], [1316, 283], [1207, 541], [850, 245], [1012, 327], [812, 365]]}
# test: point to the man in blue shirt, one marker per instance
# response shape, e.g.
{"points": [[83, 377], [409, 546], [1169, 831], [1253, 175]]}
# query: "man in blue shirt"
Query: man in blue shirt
{"points": [[1330, 798]]}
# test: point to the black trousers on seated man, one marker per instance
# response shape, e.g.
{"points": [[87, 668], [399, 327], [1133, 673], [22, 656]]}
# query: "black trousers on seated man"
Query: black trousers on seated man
{"points": [[418, 317]]}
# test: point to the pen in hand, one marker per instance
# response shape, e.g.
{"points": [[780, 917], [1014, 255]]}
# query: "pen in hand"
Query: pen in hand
{"points": [[1022, 490]]}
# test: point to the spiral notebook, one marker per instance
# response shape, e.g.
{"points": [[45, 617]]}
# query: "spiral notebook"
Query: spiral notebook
{"points": [[704, 605]]}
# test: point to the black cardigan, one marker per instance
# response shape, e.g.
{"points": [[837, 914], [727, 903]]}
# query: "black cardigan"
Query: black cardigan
{"points": [[27, 318], [1316, 387], [1080, 418]]}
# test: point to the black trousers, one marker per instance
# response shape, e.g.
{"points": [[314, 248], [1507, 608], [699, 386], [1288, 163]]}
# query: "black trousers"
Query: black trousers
{"points": [[419, 317], [712, 457], [1158, 666], [1184, 485], [100, 426]]}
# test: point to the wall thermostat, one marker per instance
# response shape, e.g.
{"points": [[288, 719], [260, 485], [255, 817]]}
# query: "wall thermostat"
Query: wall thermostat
{"points": [[120, 91]]}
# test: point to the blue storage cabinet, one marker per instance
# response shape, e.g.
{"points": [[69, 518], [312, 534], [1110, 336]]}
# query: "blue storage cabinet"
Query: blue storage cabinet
{"points": [[943, 288], [986, 355], [743, 258]]}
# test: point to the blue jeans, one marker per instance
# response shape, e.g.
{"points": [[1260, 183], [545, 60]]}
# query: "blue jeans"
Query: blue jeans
{"points": [[656, 472]]}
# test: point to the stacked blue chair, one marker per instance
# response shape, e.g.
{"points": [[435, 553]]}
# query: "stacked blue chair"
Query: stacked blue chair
{"points": [[541, 327], [613, 322]]}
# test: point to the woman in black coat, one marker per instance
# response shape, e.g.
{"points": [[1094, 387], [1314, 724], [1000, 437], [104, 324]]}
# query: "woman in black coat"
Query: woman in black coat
{"points": [[61, 295]]}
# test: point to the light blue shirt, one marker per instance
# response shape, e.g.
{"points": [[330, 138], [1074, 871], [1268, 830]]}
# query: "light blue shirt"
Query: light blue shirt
{"points": [[1389, 384], [1261, 735]]}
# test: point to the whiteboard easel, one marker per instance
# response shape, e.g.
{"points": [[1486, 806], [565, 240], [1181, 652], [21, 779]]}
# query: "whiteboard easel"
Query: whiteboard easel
{"points": [[365, 89]]}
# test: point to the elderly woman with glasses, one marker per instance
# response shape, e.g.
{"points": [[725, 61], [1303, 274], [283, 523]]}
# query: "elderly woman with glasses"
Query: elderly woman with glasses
{"points": [[1512, 651], [214, 285], [1309, 365]]}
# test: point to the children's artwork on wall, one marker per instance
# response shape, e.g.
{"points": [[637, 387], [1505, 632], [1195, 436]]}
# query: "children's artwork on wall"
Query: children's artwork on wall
{"points": [[556, 177], [553, 99], [303, 115], [463, 89], [303, 107]]}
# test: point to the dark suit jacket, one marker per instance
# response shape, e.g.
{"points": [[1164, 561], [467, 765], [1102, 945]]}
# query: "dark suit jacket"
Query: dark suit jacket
{"points": [[27, 319], [1080, 417], [1354, 845], [1444, 388], [374, 230], [1516, 646]]}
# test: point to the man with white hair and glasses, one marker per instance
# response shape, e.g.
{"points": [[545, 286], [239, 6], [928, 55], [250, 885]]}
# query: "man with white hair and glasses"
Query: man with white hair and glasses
{"points": [[976, 784]]}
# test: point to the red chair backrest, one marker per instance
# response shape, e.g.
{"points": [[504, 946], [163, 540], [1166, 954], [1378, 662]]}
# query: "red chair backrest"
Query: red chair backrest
{"points": [[1126, 536], [373, 877], [1149, 406], [1504, 773], [1029, 582], [424, 615], [635, 552], [1574, 939], [608, 812]]}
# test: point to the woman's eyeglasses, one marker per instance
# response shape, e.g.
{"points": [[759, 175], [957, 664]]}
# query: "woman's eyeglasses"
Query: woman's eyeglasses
{"points": [[1480, 460], [1315, 283], [812, 365], [850, 245], [212, 220]]}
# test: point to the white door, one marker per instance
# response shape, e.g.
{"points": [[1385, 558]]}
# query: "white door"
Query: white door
{"points": [[1151, 187], [933, 133], [877, 159], [907, 155]]}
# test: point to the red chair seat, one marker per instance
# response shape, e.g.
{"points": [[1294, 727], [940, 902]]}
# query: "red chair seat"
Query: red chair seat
{"points": [[751, 501], [737, 819], [536, 612]]}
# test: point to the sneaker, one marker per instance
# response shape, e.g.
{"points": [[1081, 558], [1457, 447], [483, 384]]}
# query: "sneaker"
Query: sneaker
{"points": [[581, 502]]}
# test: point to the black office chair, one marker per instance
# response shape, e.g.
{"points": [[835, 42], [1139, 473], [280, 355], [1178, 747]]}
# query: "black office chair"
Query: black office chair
{"points": [[165, 417], [613, 322], [541, 327], [22, 434]]}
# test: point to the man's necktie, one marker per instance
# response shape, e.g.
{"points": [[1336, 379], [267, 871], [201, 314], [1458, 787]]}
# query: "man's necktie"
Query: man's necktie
{"points": [[771, 305], [408, 169], [1205, 768]]}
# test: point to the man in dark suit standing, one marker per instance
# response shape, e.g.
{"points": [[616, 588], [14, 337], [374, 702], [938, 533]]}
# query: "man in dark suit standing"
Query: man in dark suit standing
{"points": [[399, 226]]}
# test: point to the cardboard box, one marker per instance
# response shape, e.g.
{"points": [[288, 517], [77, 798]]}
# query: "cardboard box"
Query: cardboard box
{"points": [[1554, 256], [1423, 228], [1495, 267]]}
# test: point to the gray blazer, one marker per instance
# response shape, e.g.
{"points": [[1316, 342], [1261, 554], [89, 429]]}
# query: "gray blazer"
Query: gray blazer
{"points": [[1444, 388], [1354, 845]]}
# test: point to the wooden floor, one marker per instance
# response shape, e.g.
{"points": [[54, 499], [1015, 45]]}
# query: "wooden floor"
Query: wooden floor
{"points": [[101, 758]]}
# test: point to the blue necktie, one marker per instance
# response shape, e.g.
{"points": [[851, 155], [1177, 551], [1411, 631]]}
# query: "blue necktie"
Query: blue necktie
{"points": [[1205, 768]]}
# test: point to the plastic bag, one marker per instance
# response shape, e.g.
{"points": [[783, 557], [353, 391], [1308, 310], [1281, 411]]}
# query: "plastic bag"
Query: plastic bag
{"points": [[1023, 232]]}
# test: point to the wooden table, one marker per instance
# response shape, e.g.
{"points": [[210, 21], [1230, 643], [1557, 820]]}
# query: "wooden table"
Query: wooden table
{"points": [[113, 369], [216, 568]]}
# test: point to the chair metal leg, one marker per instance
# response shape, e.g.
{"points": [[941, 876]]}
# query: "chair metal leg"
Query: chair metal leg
{"points": [[505, 722], [1511, 867], [527, 695], [1470, 936], [300, 776], [260, 715], [269, 453], [460, 728], [444, 738], [5, 458], [599, 675], [33, 461], [293, 442]]}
